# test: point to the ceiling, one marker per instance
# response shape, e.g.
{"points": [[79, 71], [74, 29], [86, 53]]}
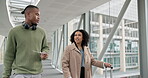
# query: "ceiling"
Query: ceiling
{"points": [[54, 13]]}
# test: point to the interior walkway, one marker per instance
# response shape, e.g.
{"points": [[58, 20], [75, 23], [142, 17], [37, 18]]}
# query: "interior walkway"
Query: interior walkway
{"points": [[48, 71]]}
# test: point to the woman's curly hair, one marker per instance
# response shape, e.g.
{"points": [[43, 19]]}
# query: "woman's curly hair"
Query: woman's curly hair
{"points": [[84, 35]]}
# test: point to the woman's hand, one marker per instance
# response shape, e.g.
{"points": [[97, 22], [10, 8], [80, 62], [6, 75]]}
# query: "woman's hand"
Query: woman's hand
{"points": [[107, 65]]}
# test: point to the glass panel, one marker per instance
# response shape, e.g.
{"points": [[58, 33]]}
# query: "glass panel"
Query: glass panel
{"points": [[124, 44], [2, 48]]}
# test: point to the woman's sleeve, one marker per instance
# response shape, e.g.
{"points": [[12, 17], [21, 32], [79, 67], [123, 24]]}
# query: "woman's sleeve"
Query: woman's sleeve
{"points": [[96, 62], [65, 63]]}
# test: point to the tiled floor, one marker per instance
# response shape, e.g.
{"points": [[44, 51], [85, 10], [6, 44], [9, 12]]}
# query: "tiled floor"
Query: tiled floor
{"points": [[48, 71]]}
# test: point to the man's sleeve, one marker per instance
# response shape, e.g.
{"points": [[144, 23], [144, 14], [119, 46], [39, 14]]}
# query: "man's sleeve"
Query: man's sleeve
{"points": [[9, 54], [45, 46]]}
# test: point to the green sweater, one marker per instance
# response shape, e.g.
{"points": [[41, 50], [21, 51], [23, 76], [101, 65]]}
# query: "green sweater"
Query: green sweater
{"points": [[22, 51]]}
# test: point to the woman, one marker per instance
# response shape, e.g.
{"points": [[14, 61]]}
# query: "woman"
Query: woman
{"points": [[77, 59]]}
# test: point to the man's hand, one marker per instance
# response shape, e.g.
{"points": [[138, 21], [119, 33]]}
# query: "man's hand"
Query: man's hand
{"points": [[43, 55]]}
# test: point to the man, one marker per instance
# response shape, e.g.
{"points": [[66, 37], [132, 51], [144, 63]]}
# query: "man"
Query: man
{"points": [[26, 47]]}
